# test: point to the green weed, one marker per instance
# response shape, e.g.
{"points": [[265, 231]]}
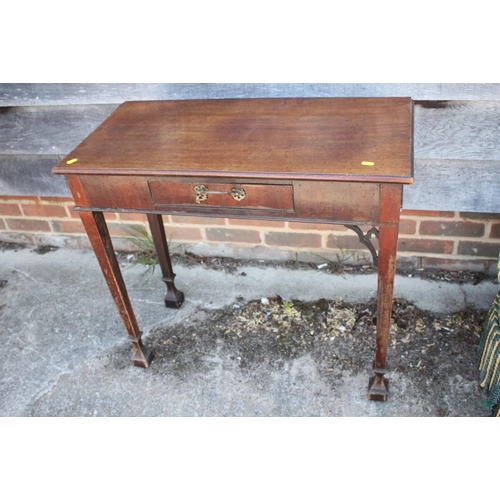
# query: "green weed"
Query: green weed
{"points": [[145, 254]]}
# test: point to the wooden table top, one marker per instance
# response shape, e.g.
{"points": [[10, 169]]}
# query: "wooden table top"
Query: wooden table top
{"points": [[355, 139]]}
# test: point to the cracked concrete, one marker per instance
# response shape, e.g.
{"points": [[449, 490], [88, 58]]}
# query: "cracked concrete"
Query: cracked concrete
{"points": [[64, 349]]}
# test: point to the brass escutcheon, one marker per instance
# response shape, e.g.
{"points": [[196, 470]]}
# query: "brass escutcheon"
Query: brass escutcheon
{"points": [[202, 193], [238, 193]]}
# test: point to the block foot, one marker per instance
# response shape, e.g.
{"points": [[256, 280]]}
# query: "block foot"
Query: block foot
{"points": [[174, 299], [142, 355], [378, 386]]}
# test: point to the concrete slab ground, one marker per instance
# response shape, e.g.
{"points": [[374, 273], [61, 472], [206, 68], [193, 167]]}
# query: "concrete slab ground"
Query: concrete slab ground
{"points": [[64, 350]]}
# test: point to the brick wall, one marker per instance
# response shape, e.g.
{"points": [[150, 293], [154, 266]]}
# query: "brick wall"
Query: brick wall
{"points": [[445, 240]]}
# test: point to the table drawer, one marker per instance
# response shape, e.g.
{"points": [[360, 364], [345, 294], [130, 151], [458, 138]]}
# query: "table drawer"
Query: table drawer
{"points": [[267, 197]]}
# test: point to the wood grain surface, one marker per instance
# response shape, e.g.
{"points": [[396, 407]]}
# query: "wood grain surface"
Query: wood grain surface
{"points": [[265, 196], [370, 139], [458, 130]]}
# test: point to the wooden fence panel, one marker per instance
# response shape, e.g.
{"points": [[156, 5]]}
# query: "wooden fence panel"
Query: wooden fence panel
{"points": [[458, 130], [48, 129], [454, 185], [36, 94], [30, 175]]}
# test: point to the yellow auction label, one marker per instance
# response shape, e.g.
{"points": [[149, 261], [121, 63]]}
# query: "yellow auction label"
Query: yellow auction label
{"points": [[74, 160], [368, 163]]}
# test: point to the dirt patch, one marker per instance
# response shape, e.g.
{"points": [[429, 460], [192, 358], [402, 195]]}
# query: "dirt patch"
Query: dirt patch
{"points": [[6, 245], [430, 349], [43, 249]]}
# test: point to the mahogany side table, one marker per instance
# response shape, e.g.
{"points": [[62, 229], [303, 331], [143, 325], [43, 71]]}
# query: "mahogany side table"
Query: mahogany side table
{"points": [[331, 160]]}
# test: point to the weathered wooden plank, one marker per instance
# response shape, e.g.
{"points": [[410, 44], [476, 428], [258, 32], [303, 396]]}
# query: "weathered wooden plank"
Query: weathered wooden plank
{"points": [[30, 175], [48, 129], [37, 94], [458, 130], [454, 185], [445, 130]]}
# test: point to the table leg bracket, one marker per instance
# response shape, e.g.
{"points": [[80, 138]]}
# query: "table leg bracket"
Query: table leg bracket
{"points": [[365, 239]]}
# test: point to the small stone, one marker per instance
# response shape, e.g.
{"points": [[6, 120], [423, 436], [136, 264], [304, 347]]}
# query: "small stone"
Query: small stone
{"points": [[264, 300], [321, 266]]}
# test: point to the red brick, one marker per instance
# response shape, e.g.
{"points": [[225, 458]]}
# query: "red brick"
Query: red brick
{"points": [[124, 230], [38, 210], [24, 198], [425, 246], [313, 226], [55, 199], [28, 225], [73, 213], [299, 240], [479, 215], [67, 226], [110, 216], [425, 213], [2, 224], [348, 242], [256, 223], [233, 235], [199, 221], [451, 228], [114, 228], [183, 233], [135, 217], [9, 209], [495, 231], [407, 226], [479, 249]]}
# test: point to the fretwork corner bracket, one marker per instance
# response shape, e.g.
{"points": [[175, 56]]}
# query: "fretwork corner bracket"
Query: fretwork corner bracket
{"points": [[365, 239]]}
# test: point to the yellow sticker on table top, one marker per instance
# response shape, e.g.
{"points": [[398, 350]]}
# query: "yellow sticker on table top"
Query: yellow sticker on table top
{"points": [[74, 160], [368, 163]]}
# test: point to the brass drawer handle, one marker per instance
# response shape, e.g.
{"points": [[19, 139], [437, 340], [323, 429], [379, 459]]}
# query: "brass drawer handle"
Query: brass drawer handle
{"points": [[202, 193]]}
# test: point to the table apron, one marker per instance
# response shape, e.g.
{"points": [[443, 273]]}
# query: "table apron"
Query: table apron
{"points": [[315, 201]]}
